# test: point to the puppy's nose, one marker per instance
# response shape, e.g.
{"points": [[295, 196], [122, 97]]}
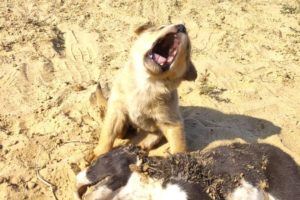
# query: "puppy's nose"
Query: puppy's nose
{"points": [[181, 28]]}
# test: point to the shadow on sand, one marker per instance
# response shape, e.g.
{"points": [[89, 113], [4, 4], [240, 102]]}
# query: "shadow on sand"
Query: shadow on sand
{"points": [[205, 125]]}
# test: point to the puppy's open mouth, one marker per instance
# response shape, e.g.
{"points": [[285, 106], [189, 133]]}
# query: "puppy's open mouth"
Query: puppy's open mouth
{"points": [[164, 51]]}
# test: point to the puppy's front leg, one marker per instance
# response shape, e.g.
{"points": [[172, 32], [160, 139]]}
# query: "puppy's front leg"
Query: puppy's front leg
{"points": [[114, 125], [175, 136]]}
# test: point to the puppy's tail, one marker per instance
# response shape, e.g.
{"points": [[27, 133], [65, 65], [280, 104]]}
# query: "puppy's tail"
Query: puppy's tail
{"points": [[97, 98], [101, 100]]}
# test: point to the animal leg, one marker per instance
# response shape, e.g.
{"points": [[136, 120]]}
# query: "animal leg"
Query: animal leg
{"points": [[114, 124], [175, 136]]}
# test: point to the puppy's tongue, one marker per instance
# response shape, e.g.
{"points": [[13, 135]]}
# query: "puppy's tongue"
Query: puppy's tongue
{"points": [[160, 59]]}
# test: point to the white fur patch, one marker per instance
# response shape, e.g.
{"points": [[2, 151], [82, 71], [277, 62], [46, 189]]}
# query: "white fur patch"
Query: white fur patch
{"points": [[81, 179], [101, 193], [171, 191], [139, 188], [248, 192]]}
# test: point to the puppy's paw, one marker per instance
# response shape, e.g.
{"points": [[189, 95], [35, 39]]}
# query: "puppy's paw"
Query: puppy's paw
{"points": [[121, 142], [93, 154], [98, 151], [161, 152], [90, 157]]}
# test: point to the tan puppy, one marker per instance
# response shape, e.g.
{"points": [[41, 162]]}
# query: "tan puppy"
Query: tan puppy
{"points": [[144, 93]]}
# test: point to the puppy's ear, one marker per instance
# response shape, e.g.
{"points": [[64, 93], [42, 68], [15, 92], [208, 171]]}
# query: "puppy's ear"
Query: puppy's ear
{"points": [[143, 27], [191, 73]]}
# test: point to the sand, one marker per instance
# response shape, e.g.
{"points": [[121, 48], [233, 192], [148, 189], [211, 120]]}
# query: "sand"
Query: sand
{"points": [[52, 54]]}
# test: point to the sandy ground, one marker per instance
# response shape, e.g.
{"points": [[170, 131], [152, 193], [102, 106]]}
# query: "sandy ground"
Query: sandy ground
{"points": [[247, 54]]}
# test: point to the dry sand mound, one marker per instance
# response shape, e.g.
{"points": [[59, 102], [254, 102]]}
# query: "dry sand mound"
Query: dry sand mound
{"points": [[52, 54]]}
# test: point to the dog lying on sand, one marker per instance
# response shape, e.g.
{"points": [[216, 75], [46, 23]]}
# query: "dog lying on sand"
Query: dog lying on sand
{"points": [[144, 94], [234, 172]]}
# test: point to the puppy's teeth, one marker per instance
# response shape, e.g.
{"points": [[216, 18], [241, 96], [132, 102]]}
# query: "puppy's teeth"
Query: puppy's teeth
{"points": [[174, 53], [151, 56], [170, 59]]}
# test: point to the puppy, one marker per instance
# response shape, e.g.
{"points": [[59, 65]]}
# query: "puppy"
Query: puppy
{"points": [[234, 172], [144, 93]]}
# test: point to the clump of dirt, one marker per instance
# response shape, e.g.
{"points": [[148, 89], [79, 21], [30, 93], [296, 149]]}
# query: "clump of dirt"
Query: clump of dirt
{"points": [[182, 165]]}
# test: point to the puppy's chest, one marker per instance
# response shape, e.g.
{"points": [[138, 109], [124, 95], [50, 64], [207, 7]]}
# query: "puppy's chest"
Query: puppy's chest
{"points": [[146, 107]]}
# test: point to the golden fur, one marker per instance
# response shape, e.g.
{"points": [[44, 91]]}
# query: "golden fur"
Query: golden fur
{"points": [[145, 96]]}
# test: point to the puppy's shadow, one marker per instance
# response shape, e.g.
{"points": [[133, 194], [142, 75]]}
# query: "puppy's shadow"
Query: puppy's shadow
{"points": [[205, 125]]}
